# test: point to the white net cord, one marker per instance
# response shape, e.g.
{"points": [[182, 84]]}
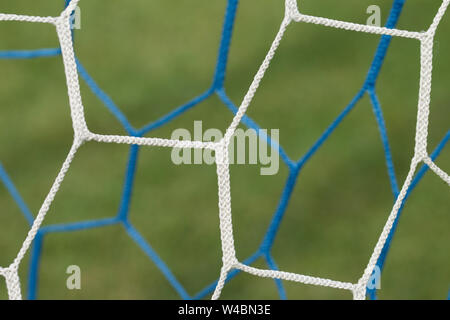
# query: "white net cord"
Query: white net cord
{"points": [[230, 262]]}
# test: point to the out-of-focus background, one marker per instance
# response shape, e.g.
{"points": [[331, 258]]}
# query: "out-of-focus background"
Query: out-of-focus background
{"points": [[151, 56]]}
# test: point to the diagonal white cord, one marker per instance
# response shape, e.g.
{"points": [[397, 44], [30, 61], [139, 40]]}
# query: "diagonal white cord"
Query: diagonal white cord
{"points": [[441, 173]]}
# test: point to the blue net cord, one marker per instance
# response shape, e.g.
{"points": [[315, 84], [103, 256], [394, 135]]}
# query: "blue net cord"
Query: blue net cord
{"points": [[218, 88]]}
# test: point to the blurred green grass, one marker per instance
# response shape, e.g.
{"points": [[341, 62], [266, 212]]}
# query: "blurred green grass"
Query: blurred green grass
{"points": [[151, 56]]}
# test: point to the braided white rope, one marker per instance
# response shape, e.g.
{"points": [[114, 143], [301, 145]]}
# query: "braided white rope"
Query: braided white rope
{"points": [[292, 13], [295, 277], [12, 283], [142, 141], [420, 150], [441, 173], [15, 17], [298, 17], [82, 134]]}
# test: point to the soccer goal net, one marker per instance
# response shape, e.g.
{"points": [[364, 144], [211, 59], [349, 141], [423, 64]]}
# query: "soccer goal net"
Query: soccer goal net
{"points": [[421, 161]]}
